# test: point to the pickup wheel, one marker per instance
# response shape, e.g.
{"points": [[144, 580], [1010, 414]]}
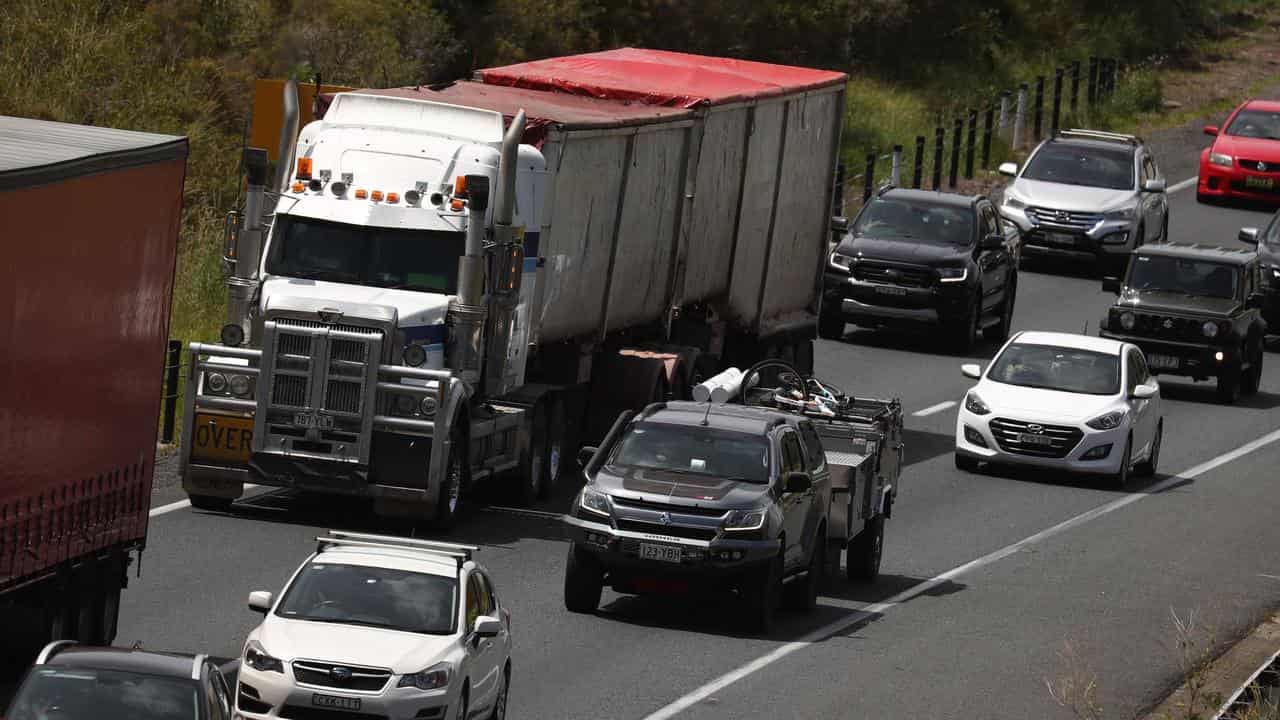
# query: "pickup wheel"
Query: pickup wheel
{"points": [[830, 326], [863, 561], [965, 337], [583, 581], [761, 595], [802, 594], [1251, 380], [1000, 331], [210, 503]]}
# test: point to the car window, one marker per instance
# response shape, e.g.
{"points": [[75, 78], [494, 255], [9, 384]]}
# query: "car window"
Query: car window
{"points": [[372, 596], [914, 219], [223, 692], [1271, 236], [1255, 124], [1140, 364], [1183, 276], [989, 226], [813, 447], [91, 693], [1051, 367], [1131, 370], [475, 602], [792, 455], [213, 709], [694, 451], [490, 598], [1084, 165]]}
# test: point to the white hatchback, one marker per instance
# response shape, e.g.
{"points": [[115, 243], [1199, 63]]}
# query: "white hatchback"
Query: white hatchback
{"points": [[379, 626], [1069, 402]]}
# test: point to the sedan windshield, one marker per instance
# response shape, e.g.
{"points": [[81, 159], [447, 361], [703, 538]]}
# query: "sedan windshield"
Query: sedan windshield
{"points": [[1082, 165], [59, 692], [1255, 124], [1198, 278], [372, 596], [696, 451], [916, 220], [1057, 368], [424, 260]]}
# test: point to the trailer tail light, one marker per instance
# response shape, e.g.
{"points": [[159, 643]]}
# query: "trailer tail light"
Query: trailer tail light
{"points": [[361, 193], [299, 187], [304, 168], [377, 196], [393, 197]]}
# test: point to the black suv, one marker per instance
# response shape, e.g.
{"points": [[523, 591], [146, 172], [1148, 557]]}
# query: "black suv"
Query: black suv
{"points": [[695, 495], [1268, 242], [1194, 311], [923, 258]]}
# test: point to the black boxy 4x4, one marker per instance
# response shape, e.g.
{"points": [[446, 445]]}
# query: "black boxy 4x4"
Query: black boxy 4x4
{"points": [[1195, 311]]}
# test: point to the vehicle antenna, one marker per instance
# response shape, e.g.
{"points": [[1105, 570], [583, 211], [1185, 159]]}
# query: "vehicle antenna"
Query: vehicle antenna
{"points": [[1086, 327], [705, 418]]}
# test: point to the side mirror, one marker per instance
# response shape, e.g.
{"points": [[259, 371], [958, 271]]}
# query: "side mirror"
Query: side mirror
{"points": [[260, 601], [1255, 301], [1111, 285], [839, 224], [1154, 185], [992, 242], [487, 627], [971, 370], [1211, 130], [585, 453], [1144, 392], [1248, 236], [797, 482], [1010, 169]]}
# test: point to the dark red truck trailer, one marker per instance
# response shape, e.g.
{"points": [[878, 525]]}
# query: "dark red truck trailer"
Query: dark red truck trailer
{"points": [[88, 230]]}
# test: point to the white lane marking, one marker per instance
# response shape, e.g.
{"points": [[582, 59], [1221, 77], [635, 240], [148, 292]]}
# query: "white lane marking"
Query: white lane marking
{"points": [[525, 511], [1270, 577], [838, 626], [163, 509], [925, 412], [1182, 185]]}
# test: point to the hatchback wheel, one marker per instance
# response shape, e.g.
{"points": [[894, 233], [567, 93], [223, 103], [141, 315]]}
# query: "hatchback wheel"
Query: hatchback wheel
{"points": [[1147, 468], [1121, 477], [1251, 381]]}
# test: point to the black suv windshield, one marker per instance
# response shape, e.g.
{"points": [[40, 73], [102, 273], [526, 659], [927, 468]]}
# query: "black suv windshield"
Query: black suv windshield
{"points": [[696, 451], [66, 692], [372, 596], [1082, 165], [1255, 124], [915, 219], [1201, 278], [1057, 368], [424, 260]]}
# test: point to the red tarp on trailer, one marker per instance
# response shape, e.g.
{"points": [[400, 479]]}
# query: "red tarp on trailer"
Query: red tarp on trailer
{"points": [[541, 108], [659, 77]]}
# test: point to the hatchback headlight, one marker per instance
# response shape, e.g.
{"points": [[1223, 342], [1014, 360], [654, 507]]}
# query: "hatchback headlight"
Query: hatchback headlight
{"points": [[1220, 159], [1107, 421], [433, 678], [955, 274], [745, 519], [258, 659], [841, 262], [595, 502], [1210, 329], [974, 404]]}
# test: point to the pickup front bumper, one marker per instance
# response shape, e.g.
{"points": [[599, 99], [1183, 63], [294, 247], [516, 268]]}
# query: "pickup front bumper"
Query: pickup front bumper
{"points": [[619, 550]]}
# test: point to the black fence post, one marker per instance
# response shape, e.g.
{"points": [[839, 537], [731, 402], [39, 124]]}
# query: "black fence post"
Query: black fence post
{"points": [[1093, 80], [837, 198], [955, 153], [918, 176], [1039, 107], [1057, 99], [1075, 86], [938, 135], [968, 150], [1110, 84], [986, 137], [173, 361], [869, 179]]}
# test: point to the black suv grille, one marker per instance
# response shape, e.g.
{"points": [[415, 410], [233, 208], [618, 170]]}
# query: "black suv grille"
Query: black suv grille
{"points": [[889, 274], [1166, 327], [319, 673], [1062, 438], [1063, 218]]}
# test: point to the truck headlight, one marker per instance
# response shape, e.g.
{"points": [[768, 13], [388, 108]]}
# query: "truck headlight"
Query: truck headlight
{"points": [[740, 520], [1210, 329], [232, 335], [1221, 159], [428, 406], [240, 386], [974, 404], [405, 404], [216, 382], [256, 657], [841, 262], [415, 355], [595, 502], [433, 678], [1107, 421], [954, 274], [1127, 320]]}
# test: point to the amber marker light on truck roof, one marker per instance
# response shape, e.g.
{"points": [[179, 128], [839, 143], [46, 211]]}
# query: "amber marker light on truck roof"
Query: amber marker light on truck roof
{"points": [[456, 205], [361, 193], [376, 196], [304, 168], [393, 197], [299, 187]]}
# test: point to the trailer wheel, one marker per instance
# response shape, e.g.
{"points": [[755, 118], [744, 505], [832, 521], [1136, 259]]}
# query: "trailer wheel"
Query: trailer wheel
{"points": [[835, 549], [210, 503], [109, 613], [863, 562], [544, 458], [583, 581]]}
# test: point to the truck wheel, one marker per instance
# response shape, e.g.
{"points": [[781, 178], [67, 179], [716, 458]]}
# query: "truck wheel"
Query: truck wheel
{"points": [[802, 594], [1000, 332], [804, 356], [863, 561], [762, 595], [1147, 468], [1229, 386], [1251, 381], [583, 582], [830, 326], [534, 467], [449, 501], [211, 503]]}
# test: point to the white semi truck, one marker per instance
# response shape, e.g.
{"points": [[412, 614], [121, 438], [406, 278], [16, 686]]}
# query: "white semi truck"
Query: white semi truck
{"points": [[418, 300]]}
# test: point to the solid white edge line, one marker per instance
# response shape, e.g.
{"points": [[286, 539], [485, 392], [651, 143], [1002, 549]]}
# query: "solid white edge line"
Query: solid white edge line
{"points": [[834, 628], [1182, 185], [163, 509], [925, 412], [1236, 695]]}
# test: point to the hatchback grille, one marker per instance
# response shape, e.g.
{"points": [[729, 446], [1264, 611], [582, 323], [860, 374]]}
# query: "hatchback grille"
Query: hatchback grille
{"points": [[680, 531], [1063, 218], [362, 678], [1267, 166], [904, 275], [1062, 438]]}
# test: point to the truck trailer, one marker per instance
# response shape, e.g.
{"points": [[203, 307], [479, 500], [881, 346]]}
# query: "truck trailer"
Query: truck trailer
{"points": [[84, 320], [445, 284]]}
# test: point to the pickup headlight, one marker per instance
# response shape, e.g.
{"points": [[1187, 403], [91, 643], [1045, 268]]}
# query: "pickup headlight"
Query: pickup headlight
{"points": [[1210, 329], [741, 520], [953, 274], [595, 502], [435, 677], [974, 404], [258, 659], [841, 262], [1108, 421], [1013, 203], [1120, 214], [1220, 159]]}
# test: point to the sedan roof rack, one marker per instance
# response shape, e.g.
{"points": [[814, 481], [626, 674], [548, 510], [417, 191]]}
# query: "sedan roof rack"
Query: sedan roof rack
{"points": [[1099, 135], [337, 538]]}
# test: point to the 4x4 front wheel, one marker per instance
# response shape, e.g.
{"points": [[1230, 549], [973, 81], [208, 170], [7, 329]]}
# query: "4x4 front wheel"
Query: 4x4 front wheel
{"points": [[762, 593]]}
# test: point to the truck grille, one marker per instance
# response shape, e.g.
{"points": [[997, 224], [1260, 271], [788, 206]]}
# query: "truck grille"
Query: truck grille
{"points": [[321, 674], [1063, 218], [1008, 434], [891, 274], [290, 391]]}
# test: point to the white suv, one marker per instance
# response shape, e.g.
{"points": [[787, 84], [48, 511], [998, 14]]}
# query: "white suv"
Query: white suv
{"points": [[379, 626]]}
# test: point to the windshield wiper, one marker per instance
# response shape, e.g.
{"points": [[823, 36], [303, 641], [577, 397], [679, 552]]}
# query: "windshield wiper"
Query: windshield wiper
{"points": [[330, 275]]}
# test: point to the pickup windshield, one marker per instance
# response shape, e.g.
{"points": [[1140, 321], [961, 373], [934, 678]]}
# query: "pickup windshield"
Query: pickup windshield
{"points": [[1082, 165], [1198, 278], [372, 597], [916, 220], [67, 692], [695, 451], [423, 260], [1057, 368], [1255, 124]]}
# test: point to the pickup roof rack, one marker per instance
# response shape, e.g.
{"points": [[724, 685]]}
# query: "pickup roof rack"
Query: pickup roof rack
{"points": [[1099, 135], [341, 538]]}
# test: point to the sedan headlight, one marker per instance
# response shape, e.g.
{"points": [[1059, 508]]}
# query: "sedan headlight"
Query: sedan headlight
{"points": [[841, 262], [745, 520], [1013, 203], [974, 404], [433, 678], [953, 274], [258, 659], [1220, 159], [594, 501], [1127, 320], [1108, 421], [1125, 213], [1210, 329]]}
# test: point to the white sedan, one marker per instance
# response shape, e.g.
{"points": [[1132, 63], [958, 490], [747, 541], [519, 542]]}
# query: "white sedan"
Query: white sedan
{"points": [[1063, 401]]}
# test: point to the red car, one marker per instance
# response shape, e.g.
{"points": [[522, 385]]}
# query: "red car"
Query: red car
{"points": [[1244, 159]]}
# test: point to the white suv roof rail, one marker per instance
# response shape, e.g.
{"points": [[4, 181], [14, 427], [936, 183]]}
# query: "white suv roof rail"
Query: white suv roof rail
{"points": [[336, 538], [1100, 135]]}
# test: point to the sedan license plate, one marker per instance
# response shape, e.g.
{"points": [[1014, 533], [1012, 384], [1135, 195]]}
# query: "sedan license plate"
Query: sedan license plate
{"points": [[664, 553], [1061, 239], [1162, 362], [1037, 440], [1260, 183], [333, 701]]}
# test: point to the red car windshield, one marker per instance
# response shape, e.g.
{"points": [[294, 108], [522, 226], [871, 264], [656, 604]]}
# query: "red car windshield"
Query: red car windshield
{"points": [[1255, 124]]}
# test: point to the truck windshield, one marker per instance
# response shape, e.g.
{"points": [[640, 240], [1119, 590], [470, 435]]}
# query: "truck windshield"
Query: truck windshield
{"points": [[108, 694], [1081, 165], [423, 260], [916, 220], [1058, 368], [695, 450], [1152, 273], [372, 597]]}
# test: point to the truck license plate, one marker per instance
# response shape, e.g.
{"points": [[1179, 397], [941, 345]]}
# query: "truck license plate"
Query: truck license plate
{"points": [[891, 290], [333, 701], [306, 420], [1163, 362], [664, 553], [223, 438], [1037, 440]]}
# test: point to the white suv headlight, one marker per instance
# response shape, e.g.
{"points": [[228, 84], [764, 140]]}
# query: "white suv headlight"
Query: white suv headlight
{"points": [[1013, 203], [1125, 213], [433, 678], [1107, 421]]}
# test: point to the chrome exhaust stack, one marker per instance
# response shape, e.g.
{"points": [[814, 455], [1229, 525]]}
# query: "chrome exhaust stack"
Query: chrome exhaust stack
{"points": [[467, 313], [508, 261]]}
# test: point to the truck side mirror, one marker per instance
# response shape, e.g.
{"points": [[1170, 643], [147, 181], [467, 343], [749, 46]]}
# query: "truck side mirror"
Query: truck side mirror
{"points": [[260, 601], [585, 453], [1248, 236], [797, 482], [1010, 169], [1111, 285]]}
